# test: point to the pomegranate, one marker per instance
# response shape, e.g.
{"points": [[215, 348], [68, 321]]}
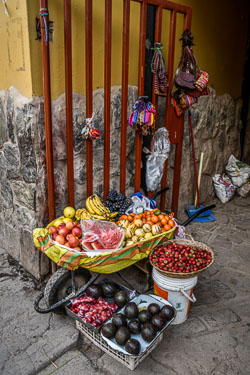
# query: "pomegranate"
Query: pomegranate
{"points": [[70, 225], [77, 232], [52, 229], [60, 239], [73, 242]]}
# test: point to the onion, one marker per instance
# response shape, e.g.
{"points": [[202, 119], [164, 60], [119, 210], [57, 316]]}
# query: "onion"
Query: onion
{"points": [[77, 232], [63, 232], [60, 239], [52, 229], [73, 242], [70, 225]]}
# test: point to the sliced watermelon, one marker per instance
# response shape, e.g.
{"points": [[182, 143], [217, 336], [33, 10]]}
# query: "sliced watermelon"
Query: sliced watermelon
{"points": [[87, 245], [97, 245]]}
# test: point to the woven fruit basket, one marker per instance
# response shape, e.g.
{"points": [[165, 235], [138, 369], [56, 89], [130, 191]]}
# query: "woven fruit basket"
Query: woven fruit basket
{"points": [[192, 243]]}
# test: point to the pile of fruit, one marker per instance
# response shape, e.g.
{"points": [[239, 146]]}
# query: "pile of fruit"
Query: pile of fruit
{"points": [[95, 210], [133, 321], [178, 258], [92, 308], [67, 232], [139, 227]]}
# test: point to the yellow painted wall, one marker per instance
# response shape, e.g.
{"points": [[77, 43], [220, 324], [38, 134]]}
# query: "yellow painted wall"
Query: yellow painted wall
{"points": [[219, 29], [15, 52]]}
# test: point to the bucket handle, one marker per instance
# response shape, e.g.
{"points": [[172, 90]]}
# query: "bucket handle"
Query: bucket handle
{"points": [[192, 298]]}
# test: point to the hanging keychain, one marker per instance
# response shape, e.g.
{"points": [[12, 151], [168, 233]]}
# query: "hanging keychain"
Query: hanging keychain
{"points": [[158, 68], [89, 132], [142, 118]]}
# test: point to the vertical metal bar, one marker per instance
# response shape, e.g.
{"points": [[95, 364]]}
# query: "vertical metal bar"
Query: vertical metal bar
{"points": [[107, 93], [143, 23], [68, 92], [89, 99], [124, 104], [178, 150], [44, 22], [168, 98]]}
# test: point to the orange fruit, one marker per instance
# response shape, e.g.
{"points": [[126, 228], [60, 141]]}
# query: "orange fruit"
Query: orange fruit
{"points": [[171, 223], [154, 219], [164, 221], [167, 227]]}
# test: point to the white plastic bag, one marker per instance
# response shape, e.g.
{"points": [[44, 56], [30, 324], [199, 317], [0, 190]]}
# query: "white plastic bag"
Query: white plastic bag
{"points": [[155, 163], [238, 171], [244, 190], [224, 189]]}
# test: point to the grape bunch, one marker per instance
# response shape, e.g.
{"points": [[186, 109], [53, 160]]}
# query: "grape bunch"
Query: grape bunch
{"points": [[117, 202]]}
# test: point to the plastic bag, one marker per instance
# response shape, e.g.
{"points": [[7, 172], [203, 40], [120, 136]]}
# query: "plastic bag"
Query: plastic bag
{"points": [[224, 189], [244, 190], [157, 158], [101, 235], [238, 171], [140, 204]]}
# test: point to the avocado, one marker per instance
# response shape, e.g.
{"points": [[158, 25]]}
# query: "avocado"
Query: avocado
{"points": [[134, 326], [109, 330], [109, 289], [148, 332], [167, 312], [144, 316], [133, 346], [131, 310], [154, 308], [121, 298], [119, 320], [158, 321], [94, 291], [122, 335]]}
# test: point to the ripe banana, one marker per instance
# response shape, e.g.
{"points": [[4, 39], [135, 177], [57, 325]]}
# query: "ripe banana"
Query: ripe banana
{"points": [[82, 213], [89, 206], [98, 206], [98, 217]]}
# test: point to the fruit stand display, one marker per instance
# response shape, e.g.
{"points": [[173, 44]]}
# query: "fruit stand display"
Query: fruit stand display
{"points": [[81, 239]]}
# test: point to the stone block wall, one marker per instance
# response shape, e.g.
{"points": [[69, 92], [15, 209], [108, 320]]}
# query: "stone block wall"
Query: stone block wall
{"points": [[23, 197]]}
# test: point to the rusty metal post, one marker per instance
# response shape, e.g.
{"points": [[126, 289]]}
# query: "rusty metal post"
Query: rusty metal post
{"points": [[44, 21], [68, 93]]}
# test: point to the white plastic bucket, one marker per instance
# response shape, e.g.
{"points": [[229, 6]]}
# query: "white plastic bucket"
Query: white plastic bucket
{"points": [[177, 291]]}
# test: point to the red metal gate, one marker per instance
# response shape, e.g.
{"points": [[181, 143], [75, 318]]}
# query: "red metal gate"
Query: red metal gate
{"points": [[173, 124]]}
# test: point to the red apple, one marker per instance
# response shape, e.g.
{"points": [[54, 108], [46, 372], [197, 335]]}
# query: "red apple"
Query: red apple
{"points": [[52, 229], [61, 226], [69, 236], [77, 248], [66, 244], [73, 242], [77, 232], [54, 236], [63, 232], [60, 239], [70, 225]]}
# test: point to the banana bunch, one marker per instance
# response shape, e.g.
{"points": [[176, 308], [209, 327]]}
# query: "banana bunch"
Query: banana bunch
{"points": [[82, 213], [97, 210]]}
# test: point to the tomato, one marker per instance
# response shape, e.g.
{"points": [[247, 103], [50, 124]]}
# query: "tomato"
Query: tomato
{"points": [[150, 222], [157, 212], [130, 218], [171, 223], [123, 217], [137, 217], [144, 220], [154, 219], [164, 221], [167, 227], [161, 216]]}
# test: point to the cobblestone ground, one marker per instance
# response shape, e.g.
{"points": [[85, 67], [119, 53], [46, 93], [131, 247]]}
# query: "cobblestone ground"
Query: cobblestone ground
{"points": [[215, 340]]}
